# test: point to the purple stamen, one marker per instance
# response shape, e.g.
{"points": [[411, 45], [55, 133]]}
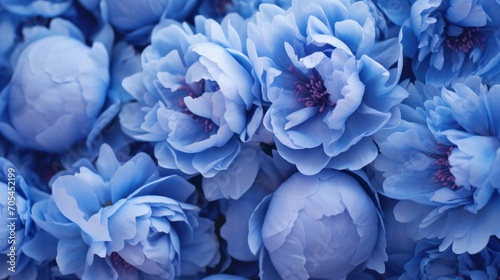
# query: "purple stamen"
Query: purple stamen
{"points": [[120, 264], [443, 175], [220, 6], [468, 39], [312, 91], [208, 124]]}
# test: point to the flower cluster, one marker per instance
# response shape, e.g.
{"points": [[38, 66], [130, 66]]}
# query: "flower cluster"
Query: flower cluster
{"points": [[250, 139]]}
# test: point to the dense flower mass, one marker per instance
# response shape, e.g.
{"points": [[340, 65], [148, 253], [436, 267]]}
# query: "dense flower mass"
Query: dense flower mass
{"points": [[449, 39], [250, 139], [26, 249]]}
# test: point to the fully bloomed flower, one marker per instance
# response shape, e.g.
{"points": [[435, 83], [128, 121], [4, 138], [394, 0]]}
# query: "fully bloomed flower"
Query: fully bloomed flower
{"points": [[330, 77], [449, 39], [117, 220], [442, 162], [317, 227], [57, 90], [136, 19], [431, 263], [196, 98], [25, 248]]}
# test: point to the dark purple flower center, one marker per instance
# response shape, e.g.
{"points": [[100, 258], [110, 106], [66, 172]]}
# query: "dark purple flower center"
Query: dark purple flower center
{"points": [[443, 175], [469, 38], [312, 91], [195, 90], [220, 6], [121, 265]]}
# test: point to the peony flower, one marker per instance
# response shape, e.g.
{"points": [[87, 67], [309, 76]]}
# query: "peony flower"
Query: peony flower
{"points": [[449, 39], [136, 19], [431, 263], [57, 91], [196, 98], [25, 248], [122, 219], [468, 117], [317, 227], [441, 163], [330, 77]]}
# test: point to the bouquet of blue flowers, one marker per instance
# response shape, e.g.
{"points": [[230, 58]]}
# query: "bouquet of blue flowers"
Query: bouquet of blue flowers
{"points": [[250, 139]]}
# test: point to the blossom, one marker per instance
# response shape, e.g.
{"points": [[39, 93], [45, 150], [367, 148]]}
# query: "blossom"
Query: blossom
{"points": [[317, 227], [431, 263], [57, 90], [467, 117], [25, 249], [441, 163], [195, 98], [330, 77], [450, 39], [136, 19], [115, 219]]}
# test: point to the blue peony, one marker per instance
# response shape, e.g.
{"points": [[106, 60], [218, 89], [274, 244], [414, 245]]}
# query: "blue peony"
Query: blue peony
{"points": [[449, 39], [114, 220], [317, 227], [468, 117], [441, 162], [57, 91], [330, 78], [431, 263], [195, 98], [25, 248], [136, 19]]}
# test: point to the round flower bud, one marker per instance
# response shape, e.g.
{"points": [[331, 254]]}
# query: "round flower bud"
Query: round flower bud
{"points": [[56, 93], [318, 226]]}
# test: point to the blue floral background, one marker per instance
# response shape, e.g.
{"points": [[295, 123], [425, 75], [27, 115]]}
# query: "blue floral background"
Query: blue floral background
{"points": [[250, 139]]}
